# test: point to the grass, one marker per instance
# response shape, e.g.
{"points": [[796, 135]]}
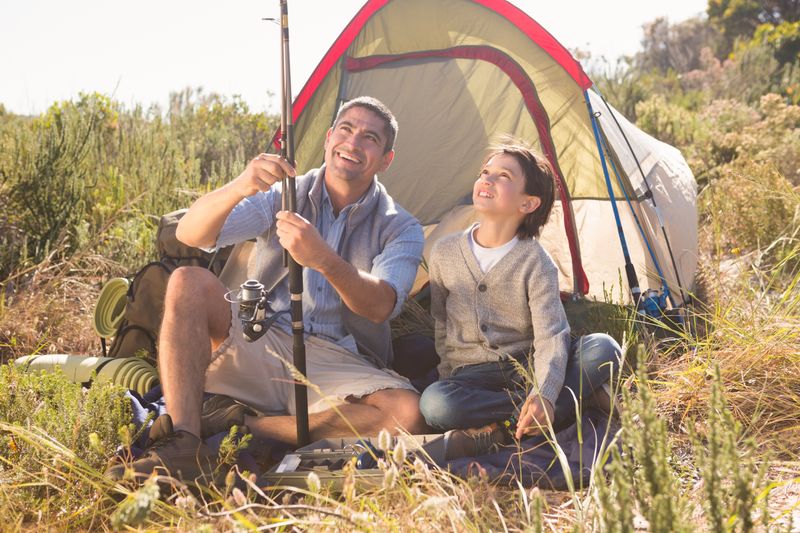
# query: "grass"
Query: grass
{"points": [[709, 424]]}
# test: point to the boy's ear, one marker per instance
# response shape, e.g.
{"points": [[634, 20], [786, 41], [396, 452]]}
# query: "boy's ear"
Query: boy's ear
{"points": [[530, 204]]}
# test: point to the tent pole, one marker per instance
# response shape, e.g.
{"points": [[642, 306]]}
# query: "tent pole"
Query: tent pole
{"points": [[630, 272], [649, 196], [289, 201]]}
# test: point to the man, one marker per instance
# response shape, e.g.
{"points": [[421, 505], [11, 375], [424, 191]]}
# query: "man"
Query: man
{"points": [[361, 252]]}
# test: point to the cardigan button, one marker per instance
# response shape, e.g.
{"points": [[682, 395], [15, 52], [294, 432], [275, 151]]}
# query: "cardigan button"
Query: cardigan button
{"points": [[482, 287], [484, 328]]}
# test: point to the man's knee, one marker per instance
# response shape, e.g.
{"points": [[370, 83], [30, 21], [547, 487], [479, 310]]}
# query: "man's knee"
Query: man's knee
{"points": [[198, 293], [189, 282], [400, 406]]}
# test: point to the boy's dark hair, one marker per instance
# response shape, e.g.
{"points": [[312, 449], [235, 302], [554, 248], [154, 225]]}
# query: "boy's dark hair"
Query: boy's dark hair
{"points": [[539, 181], [379, 108]]}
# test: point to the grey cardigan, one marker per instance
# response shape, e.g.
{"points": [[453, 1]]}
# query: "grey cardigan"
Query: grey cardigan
{"points": [[512, 309], [369, 227]]}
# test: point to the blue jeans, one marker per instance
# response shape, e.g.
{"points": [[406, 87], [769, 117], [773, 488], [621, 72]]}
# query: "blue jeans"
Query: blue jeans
{"points": [[479, 394]]}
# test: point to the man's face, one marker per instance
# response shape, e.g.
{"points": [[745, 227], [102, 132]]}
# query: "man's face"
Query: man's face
{"points": [[354, 146]]}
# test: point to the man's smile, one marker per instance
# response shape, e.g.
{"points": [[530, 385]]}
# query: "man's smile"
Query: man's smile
{"points": [[348, 157]]}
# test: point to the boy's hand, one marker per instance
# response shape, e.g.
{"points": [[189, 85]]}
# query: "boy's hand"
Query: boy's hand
{"points": [[534, 417]]}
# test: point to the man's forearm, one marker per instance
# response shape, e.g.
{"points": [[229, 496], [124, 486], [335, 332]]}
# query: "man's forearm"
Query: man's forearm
{"points": [[201, 225], [361, 292]]}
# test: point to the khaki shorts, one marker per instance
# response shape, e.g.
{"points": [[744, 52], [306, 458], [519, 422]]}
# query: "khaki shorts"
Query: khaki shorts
{"points": [[256, 373]]}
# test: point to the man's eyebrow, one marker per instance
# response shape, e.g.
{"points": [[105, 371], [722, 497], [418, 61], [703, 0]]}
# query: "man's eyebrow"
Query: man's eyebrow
{"points": [[373, 132]]}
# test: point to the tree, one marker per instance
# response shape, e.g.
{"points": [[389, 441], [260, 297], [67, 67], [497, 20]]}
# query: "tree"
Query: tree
{"points": [[675, 47], [737, 19]]}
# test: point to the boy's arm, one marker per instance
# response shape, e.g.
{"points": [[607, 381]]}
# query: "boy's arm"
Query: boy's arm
{"points": [[438, 299], [551, 343]]}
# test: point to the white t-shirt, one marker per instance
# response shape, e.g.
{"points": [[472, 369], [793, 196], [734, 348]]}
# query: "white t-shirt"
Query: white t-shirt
{"points": [[488, 257]]}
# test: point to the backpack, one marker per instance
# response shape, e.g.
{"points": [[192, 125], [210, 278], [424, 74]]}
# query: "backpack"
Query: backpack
{"points": [[137, 333]]}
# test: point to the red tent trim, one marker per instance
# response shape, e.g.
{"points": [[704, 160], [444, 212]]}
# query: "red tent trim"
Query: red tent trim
{"points": [[542, 37], [532, 103], [526, 24]]}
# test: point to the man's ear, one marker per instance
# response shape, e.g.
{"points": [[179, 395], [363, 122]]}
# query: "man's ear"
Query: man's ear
{"points": [[530, 204], [387, 160]]}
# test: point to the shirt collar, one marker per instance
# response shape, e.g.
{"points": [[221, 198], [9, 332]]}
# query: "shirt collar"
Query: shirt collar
{"points": [[327, 204]]}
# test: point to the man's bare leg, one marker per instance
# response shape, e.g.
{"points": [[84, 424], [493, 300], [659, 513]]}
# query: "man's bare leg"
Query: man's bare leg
{"points": [[388, 408], [196, 321]]}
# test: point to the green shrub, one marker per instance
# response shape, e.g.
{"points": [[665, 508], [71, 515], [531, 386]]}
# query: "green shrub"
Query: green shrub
{"points": [[731, 478], [643, 485], [65, 411], [749, 206], [665, 121], [47, 182]]}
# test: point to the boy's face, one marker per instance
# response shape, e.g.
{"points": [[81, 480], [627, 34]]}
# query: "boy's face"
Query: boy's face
{"points": [[499, 191]]}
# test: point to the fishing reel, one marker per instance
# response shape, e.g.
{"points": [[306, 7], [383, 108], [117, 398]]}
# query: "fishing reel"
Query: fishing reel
{"points": [[652, 304], [254, 310]]}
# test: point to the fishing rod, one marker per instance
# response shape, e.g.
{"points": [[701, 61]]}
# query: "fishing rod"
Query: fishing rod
{"points": [[649, 195], [289, 203], [630, 272]]}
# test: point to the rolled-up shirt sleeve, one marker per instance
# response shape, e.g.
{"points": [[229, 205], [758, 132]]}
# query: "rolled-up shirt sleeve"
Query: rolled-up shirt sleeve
{"points": [[250, 218], [398, 262]]}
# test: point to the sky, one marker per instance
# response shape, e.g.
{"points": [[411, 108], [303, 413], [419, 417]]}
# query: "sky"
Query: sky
{"points": [[139, 52]]}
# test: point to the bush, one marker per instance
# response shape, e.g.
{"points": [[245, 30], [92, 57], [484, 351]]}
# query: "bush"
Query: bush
{"points": [[55, 440], [665, 121], [748, 207]]}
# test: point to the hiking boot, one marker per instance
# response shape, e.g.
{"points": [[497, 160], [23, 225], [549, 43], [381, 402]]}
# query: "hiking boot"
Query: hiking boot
{"points": [[472, 442], [220, 413], [179, 454]]}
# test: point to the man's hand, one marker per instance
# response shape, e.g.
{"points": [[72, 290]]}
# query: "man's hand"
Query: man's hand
{"points": [[302, 240], [261, 173], [534, 417]]}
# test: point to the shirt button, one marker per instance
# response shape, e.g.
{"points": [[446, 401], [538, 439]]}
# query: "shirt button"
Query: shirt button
{"points": [[319, 289], [482, 287], [313, 319], [484, 328]]}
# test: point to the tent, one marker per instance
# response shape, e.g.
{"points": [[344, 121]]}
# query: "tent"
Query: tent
{"points": [[458, 72]]}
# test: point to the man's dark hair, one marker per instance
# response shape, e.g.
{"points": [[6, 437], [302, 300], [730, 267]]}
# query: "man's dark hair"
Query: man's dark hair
{"points": [[379, 108], [539, 181]]}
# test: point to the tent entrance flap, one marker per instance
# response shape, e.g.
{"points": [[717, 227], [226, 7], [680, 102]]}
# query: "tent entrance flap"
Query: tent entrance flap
{"points": [[483, 93]]}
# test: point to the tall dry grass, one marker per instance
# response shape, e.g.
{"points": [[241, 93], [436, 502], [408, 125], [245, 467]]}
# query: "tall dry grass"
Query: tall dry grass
{"points": [[709, 423]]}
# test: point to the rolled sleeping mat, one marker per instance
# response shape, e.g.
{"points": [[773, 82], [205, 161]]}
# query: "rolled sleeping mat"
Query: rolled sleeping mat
{"points": [[129, 372], [110, 308]]}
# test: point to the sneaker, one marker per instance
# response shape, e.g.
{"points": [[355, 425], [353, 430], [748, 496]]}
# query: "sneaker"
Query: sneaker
{"points": [[179, 454], [602, 399], [220, 413], [472, 442]]}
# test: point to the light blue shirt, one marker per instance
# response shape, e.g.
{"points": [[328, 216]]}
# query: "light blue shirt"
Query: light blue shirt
{"points": [[396, 264]]}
